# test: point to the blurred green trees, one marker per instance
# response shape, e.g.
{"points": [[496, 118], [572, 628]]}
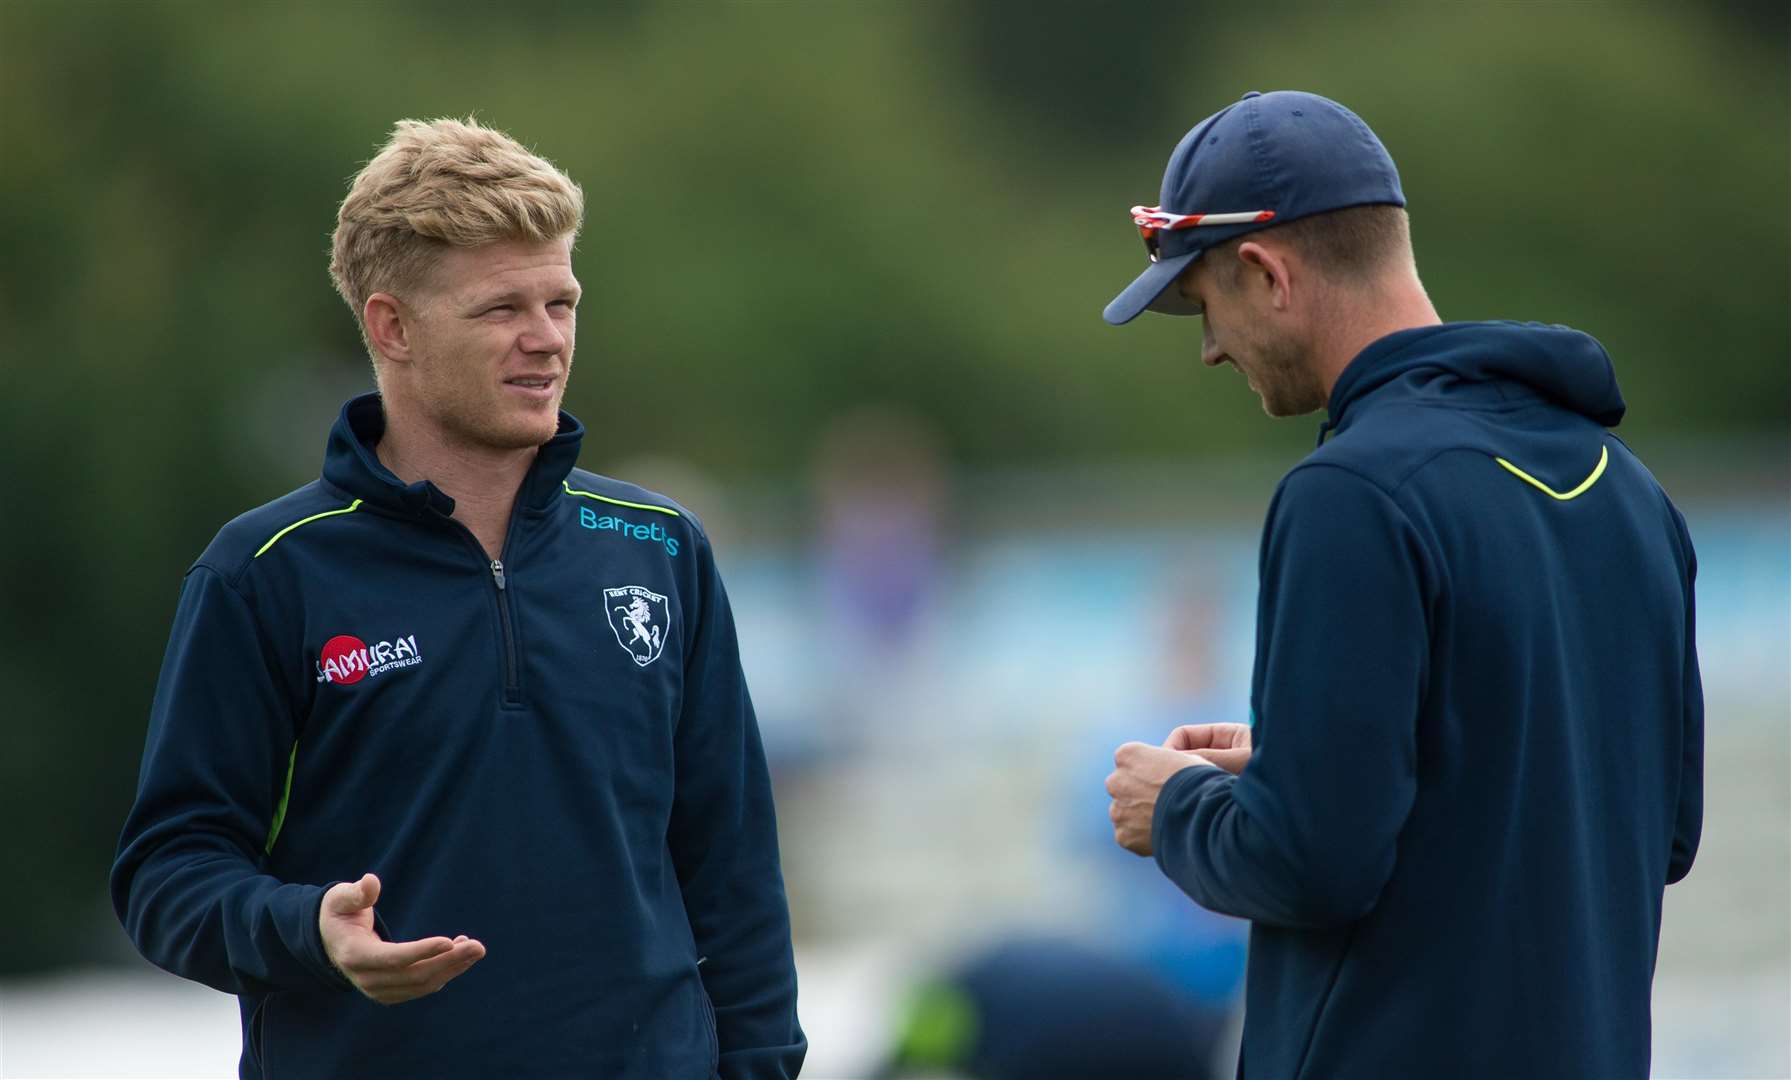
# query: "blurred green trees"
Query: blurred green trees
{"points": [[793, 208]]}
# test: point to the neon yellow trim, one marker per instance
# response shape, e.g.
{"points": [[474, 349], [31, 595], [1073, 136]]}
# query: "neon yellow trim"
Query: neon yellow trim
{"points": [[1604, 458], [273, 831], [349, 509], [570, 490], [940, 1029]]}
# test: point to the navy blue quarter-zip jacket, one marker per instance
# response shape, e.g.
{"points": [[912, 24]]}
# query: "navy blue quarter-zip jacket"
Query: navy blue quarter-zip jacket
{"points": [[553, 753], [1478, 727]]}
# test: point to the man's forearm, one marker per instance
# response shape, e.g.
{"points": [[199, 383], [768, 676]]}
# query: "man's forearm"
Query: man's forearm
{"points": [[210, 916], [1230, 862]]}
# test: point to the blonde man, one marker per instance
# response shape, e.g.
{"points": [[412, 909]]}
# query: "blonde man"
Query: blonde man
{"points": [[411, 789]]}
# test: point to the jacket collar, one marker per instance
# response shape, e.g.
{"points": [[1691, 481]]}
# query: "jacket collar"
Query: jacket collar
{"points": [[1373, 367], [1466, 362], [350, 464]]}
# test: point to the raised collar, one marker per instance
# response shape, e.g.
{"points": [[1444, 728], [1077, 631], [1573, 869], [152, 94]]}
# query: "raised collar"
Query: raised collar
{"points": [[1455, 362], [1369, 369], [349, 463]]}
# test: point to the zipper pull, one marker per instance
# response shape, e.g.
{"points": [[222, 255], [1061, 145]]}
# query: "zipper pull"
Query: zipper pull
{"points": [[497, 574]]}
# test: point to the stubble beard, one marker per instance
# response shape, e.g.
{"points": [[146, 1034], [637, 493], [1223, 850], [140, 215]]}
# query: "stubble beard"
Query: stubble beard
{"points": [[478, 422], [502, 429], [1283, 378]]}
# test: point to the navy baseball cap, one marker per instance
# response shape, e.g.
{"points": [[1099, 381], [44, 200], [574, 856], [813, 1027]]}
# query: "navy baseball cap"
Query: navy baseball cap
{"points": [[1266, 160]]}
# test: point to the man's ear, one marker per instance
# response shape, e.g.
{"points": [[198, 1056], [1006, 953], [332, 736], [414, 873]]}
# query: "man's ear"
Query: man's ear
{"points": [[1267, 266], [387, 327]]}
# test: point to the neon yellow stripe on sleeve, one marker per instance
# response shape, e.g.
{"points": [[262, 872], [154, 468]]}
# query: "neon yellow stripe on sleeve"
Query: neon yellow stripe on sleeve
{"points": [[349, 509], [273, 831], [570, 490], [1604, 457]]}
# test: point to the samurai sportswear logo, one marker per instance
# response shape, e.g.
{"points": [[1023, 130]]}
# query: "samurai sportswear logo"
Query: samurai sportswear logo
{"points": [[640, 618], [347, 659]]}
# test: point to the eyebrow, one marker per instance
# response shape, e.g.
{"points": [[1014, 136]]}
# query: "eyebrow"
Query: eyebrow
{"points": [[511, 296]]}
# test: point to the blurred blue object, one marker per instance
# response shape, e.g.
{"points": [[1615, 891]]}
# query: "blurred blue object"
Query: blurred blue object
{"points": [[1142, 915], [1043, 1009]]}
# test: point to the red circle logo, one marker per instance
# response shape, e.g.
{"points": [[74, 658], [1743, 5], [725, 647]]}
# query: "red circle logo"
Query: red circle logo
{"points": [[344, 659]]}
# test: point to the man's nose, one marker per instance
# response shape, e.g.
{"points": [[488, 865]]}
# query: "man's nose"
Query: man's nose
{"points": [[1209, 352], [544, 334]]}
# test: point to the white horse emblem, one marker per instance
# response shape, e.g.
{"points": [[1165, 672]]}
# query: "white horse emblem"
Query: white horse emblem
{"points": [[640, 618]]}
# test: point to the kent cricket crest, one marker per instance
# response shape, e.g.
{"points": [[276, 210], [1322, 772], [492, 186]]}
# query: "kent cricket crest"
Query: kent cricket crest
{"points": [[641, 619]]}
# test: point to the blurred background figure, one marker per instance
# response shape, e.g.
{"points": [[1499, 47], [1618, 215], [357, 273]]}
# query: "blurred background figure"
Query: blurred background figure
{"points": [[881, 496], [1052, 1010], [797, 213]]}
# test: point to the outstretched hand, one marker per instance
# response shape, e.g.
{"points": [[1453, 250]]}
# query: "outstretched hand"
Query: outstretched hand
{"points": [[386, 971]]}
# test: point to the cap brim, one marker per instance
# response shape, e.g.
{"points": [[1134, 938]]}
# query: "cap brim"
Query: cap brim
{"points": [[1150, 291]]}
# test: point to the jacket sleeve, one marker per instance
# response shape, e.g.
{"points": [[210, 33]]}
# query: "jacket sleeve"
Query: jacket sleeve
{"points": [[1306, 835], [723, 841], [1689, 814], [187, 882]]}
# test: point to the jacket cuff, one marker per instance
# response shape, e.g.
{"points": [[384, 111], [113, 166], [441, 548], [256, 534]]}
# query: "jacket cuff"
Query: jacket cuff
{"points": [[1176, 798]]}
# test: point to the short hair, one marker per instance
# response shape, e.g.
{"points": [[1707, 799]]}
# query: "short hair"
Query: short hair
{"points": [[1353, 243], [438, 184]]}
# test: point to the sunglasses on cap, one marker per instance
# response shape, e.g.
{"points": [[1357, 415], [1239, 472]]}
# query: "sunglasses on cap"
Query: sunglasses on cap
{"points": [[1152, 220]]}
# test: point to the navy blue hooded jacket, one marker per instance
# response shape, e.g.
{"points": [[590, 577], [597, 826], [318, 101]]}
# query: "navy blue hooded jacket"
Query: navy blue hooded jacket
{"points": [[554, 754], [1478, 727]]}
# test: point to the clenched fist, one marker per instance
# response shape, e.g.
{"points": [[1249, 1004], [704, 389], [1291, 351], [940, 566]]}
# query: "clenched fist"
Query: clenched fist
{"points": [[1137, 779]]}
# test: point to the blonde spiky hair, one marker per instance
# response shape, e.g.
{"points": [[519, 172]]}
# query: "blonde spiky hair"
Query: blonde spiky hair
{"points": [[437, 184]]}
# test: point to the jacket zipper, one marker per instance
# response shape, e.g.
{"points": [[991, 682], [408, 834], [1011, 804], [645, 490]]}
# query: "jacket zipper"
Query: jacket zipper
{"points": [[512, 684], [506, 625]]}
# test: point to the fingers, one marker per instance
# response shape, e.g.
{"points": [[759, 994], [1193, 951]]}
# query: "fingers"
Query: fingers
{"points": [[466, 952], [413, 969], [1139, 767], [426, 976], [1131, 826], [377, 956], [1186, 737], [1129, 752], [1232, 761], [1132, 802], [1205, 736], [350, 897]]}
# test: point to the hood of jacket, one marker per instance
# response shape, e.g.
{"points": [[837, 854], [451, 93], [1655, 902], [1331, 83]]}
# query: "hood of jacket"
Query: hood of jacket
{"points": [[1482, 362]]}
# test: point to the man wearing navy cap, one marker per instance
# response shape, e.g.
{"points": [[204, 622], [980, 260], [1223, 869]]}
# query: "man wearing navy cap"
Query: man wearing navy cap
{"points": [[1475, 760]]}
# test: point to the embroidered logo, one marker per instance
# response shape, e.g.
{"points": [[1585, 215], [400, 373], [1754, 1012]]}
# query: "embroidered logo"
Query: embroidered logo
{"points": [[654, 533], [346, 659], [641, 618]]}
